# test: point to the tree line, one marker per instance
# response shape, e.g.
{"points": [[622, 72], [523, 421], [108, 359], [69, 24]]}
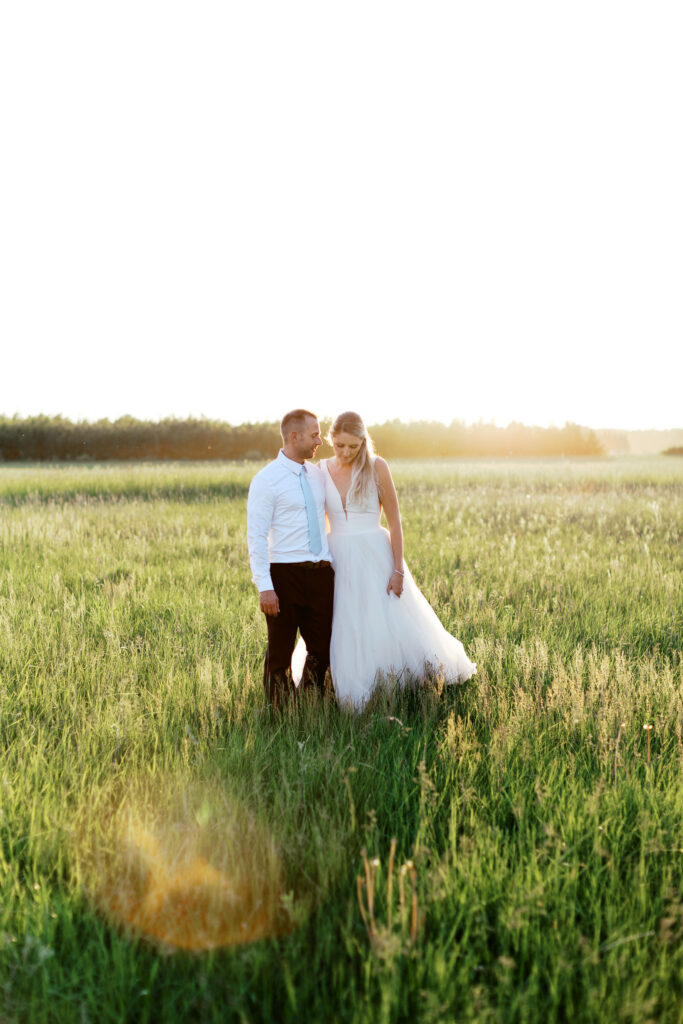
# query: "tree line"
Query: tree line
{"points": [[55, 439]]}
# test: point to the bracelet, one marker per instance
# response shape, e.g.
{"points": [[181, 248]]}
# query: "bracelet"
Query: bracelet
{"points": [[397, 572]]}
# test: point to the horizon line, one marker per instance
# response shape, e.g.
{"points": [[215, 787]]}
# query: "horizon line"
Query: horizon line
{"points": [[323, 419]]}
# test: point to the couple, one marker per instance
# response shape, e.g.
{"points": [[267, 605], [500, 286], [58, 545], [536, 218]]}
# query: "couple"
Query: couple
{"points": [[382, 625]]}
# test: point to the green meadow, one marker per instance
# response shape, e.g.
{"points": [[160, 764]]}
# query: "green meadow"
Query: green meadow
{"points": [[509, 850]]}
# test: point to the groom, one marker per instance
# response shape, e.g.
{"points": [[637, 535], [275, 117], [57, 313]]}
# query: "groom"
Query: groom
{"points": [[290, 562]]}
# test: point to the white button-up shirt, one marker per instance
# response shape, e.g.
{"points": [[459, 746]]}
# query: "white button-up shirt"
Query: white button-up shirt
{"points": [[277, 524]]}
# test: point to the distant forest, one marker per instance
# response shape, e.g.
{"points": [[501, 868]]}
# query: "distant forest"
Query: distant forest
{"points": [[52, 439]]}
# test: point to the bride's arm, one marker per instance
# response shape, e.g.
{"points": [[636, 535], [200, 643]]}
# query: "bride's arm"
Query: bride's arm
{"points": [[389, 500]]}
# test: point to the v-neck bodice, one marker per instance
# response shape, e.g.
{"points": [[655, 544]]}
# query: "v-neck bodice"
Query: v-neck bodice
{"points": [[354, 518]]}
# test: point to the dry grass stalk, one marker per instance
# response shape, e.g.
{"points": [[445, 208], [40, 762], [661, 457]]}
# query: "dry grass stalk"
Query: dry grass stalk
{"points": [[413, 906], [622, 725], [385, 940], [369, 887], [361, 904], [648, 729], [390, 881], [374, 864]]}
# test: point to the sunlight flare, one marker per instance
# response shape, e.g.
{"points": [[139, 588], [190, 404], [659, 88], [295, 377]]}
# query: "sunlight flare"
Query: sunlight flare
{"points": [[186, 865]]}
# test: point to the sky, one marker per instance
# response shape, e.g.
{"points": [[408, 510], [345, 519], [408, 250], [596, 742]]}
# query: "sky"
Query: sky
{"points": [[419, 210]]}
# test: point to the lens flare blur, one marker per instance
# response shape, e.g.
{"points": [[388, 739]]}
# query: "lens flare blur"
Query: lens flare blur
{"points": [[186, 865]]}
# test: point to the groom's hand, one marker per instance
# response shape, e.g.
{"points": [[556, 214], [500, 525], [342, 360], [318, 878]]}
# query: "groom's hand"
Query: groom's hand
{"points": [[269, 602]]}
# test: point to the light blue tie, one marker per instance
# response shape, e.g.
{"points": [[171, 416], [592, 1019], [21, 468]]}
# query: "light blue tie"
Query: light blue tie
{"points": [[311, 514]]}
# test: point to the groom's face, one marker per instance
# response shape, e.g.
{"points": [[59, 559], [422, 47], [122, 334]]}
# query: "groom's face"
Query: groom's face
{"points": [[308, 439]]}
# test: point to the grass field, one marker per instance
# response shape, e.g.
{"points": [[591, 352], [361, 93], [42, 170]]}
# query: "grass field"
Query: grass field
{"points": [[538, 824]]}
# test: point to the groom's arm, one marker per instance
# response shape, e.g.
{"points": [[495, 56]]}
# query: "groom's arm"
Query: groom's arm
{"points": [[260, 504]]}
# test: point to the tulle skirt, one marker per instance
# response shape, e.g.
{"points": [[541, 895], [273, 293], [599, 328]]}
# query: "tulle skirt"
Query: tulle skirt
{"points": [[378, 635]]}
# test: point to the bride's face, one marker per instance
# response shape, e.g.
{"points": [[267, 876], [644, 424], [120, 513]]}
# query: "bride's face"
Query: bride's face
{"points": [[346, 447]]}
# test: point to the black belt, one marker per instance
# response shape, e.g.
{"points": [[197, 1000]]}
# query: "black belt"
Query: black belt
{"points": [[306, 565]]}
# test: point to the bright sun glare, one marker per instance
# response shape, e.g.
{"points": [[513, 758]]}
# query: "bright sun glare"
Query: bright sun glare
{"points": [[183, 864]]}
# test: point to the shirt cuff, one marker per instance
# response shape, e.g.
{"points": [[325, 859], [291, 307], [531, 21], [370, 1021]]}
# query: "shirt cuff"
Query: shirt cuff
{"points": [[263, 583]]}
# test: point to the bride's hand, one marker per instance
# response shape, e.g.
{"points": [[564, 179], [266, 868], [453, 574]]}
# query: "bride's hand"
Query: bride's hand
{"points": [[396, 583]]}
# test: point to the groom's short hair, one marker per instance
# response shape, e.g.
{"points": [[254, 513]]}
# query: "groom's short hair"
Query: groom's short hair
{"points": [[295, 420]]}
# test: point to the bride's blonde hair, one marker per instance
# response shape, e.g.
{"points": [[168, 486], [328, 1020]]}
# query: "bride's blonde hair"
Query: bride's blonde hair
{"points": [[362, 473]]}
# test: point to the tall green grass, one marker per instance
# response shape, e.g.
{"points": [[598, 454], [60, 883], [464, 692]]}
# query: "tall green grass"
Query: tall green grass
{"points": [[547, 843]]}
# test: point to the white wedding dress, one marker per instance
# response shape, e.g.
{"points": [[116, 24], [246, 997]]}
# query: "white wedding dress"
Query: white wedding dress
{"points": [[376, 634]]}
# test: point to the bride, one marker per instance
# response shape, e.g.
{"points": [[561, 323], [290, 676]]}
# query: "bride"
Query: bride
{"points": [[382, 624]]}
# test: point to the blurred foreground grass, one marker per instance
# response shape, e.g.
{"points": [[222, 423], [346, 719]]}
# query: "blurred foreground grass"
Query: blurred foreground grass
{"points": [[139, 763]]}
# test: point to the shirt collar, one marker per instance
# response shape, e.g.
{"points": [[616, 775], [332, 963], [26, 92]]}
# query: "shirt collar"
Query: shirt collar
{"points": [[294, 467]]}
